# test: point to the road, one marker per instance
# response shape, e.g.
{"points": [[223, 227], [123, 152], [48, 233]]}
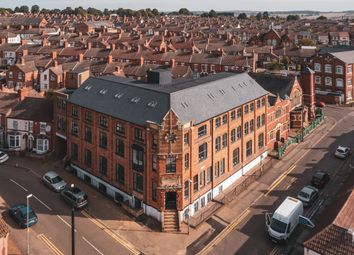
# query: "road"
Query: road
{"points": [[249, 234], [52, 233]]}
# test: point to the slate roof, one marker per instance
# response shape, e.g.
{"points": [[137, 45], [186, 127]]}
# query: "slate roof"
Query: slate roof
{"points": [[277, 85], [32, 108], [7, 101], [191, 100]]}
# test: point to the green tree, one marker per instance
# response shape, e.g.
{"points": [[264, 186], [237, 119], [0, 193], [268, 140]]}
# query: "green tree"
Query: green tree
{"points": [[155, 12], [184, 11], [321, 18], [35, 8], [242, 16], [259, 16], [24, 9], [265, 15], [307, 42], [292, 17], [212, 13]]}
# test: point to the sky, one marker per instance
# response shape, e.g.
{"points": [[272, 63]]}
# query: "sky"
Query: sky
{"points": [[193, 5]]}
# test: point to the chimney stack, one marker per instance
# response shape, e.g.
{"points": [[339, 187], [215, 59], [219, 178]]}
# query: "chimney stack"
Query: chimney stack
{"points": [[89, 45], [172, 63], [113, 46], [25, 52], [53, 55], [55, 63], [22, 94], [141, 63], [109, 59], [81, 57], [308, 89], [66, 44], [22, 60]]}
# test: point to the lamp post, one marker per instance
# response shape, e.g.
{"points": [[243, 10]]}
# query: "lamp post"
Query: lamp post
{"points": [[27, 215], [72, 226], [190, 201]]}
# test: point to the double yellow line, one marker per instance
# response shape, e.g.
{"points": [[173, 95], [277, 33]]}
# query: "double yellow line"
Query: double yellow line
{"points": [[111, 233], [224, 233], [50, 244], [279, 180]]}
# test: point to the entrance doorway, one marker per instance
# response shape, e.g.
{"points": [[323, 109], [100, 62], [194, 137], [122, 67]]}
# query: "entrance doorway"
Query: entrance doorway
{"points": [[170, 200]]}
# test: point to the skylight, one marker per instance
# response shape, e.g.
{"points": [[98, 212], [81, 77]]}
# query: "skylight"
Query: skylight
{"points": [[118, 95], [88, 87], [135, 100], [152, 104], [103, 91]]}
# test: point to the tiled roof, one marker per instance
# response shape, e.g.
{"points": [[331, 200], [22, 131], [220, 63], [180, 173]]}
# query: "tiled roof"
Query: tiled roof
{"points": [[4, 229], [31, 108]]}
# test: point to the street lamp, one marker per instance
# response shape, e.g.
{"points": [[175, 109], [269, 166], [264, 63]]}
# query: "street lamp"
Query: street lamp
{"points": [[190, 201], [27, 240], [72, 226]]}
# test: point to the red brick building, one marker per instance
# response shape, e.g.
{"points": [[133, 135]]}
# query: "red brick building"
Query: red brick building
{"points": [[158, 148], [334, 74]]}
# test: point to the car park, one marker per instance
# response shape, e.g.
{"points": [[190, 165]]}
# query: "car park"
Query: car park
{"points": [[342, 152], [19, 214], [74, 197], [54, 181], [3, 157], [319, 179], [308, 195]]}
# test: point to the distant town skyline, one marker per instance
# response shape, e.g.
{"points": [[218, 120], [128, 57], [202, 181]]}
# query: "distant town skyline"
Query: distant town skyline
{"points": [[196, 5]]}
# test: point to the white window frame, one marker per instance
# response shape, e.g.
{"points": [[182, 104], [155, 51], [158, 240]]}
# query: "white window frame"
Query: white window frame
{"points": [[42, 146], [42, 127], [328, 81], [328, 68], [349, 69], [339, 69], [15, 124], [317, 79], [339, 83], [16, 141], [349, 82], [317, 67]]}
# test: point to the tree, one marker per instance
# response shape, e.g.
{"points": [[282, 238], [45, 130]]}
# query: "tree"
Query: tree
{"points": [[242, 16], [307, 42], [292, 17], [155, 12], [321, 18], [106, 12], [24, 9], [212, 14], [265, 15], [259, 16], [184, 11], [68, 10], [35, 9]]}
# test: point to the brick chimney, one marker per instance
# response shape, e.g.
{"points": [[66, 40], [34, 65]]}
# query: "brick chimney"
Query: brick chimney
{"points": [[22, 94], [22, 60], [308, 89], [81, 57], [109, 59], [66, 44], [141, 62], [172, 63], [89, 45], [113, 46], [25, 52], [53, 55], [55, 63]]}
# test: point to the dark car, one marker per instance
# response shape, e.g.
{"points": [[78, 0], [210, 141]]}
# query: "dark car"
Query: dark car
{"points": [[319, 179], [19, 214], [75, 197]]}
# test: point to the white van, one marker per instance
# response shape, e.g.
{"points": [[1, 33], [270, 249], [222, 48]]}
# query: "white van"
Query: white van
{"points": [[285, 219]]}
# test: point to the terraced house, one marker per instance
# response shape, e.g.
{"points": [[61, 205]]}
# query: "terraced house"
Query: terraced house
{"points": [[162, 147]]}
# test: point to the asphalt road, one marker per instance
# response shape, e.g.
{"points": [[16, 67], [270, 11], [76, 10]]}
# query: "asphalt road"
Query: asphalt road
{"points": [[250, 234], [52, 233]]}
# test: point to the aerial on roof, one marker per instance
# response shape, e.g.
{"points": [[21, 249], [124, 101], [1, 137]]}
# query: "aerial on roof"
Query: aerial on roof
{"points": [[139, 102]]}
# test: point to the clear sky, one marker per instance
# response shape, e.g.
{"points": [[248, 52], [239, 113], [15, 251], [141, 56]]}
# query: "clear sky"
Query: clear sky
{"points": [[195, 5]]}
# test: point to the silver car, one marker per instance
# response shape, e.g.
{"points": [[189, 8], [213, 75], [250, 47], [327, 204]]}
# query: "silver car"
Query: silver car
{"points": [[342, 152], [54, 181], [308, 195], [3, 157]]}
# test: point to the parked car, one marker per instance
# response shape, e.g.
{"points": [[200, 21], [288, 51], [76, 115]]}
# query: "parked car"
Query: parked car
{"points": [[54, 181], [320, 104], [3, 157], [19, 214], [319, 179], [308, 195], [342, 152], [75, 197]]}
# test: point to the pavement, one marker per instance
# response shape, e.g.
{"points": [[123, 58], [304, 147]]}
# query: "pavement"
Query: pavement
{"points": [[109, 229]]}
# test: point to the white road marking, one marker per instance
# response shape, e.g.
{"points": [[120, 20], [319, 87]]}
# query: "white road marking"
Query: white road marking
{"points": [[94, 247], [19, 185], [46, 206], [66, 223]]}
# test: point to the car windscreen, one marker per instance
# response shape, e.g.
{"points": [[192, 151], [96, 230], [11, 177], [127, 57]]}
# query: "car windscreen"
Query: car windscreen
{"points": [[57, 179], [303, 194], [340, 151], [2, 154], [278, 225], [81, 198]]}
